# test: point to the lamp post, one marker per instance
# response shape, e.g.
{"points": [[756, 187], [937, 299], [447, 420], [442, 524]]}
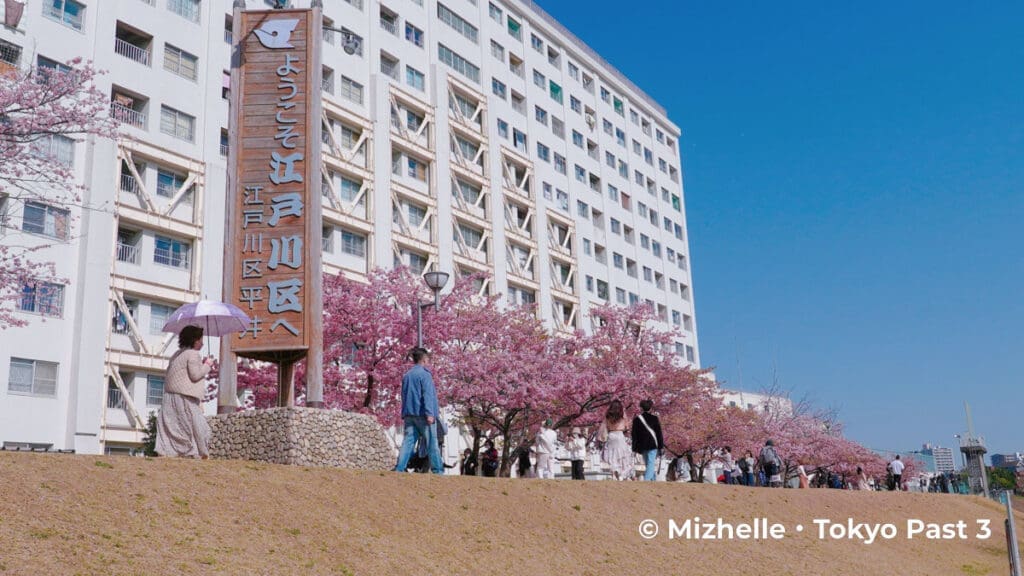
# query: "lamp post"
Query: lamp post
{"points": [[435, 280]]}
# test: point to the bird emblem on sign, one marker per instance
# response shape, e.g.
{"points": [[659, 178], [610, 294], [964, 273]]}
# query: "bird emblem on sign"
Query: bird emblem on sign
{"points": [[277, 33]]}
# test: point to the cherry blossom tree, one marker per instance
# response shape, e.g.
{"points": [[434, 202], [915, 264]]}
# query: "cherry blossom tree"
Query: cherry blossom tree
{"points": [[39, 108], [700, 431], [625, 359], [493, 367], [369, 329]]}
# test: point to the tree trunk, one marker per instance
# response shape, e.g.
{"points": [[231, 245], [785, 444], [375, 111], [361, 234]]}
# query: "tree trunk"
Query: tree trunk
{"points": [[368, 399], [476, 449]]}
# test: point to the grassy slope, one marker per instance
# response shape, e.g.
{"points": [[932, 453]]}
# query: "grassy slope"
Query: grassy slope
{"points": [[64, 514]]}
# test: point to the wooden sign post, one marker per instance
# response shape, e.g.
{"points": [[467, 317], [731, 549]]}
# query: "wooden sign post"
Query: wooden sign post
{"points": [[273, 227]]}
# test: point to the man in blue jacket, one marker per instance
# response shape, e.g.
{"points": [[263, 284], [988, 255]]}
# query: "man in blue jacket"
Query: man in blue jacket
{"points": [[419, 412]]}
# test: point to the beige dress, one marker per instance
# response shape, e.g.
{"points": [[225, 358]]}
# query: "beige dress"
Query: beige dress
{"points": [[181, 428]]}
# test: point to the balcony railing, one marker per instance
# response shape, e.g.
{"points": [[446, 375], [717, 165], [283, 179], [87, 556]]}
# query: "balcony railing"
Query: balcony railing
{"points": [[390, 26], [223, 149], [129, 184], [126, 115], [172, 258], [115, 399], [131, 51], [127, 253], [228, 36]]}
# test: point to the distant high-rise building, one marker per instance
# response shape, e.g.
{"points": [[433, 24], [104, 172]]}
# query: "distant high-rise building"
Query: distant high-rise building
{"points": [[1011, 461], [941, 459]]}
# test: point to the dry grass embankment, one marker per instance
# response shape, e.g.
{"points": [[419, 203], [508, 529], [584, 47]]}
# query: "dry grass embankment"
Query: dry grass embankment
{"points": [[96, 515]]}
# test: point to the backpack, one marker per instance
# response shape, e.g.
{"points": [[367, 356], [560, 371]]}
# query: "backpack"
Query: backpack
{"points": [[769, 461]]}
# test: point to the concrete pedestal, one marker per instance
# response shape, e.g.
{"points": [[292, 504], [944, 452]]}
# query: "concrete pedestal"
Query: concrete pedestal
{"points": [[303, 437]]}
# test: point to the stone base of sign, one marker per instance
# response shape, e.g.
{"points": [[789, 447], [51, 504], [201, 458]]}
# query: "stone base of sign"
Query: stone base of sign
{"points": [[302, 437]]}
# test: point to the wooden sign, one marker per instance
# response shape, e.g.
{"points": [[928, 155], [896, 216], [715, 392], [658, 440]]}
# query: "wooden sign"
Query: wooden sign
{"points": [[272, 246]]}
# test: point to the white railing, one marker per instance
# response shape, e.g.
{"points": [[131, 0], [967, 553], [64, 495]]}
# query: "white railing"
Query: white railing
{"points": [[172, 258], [127, 253], [389, 26], [115, 399], [128, 184], [131, 51], [126, 115], [223, 149]]}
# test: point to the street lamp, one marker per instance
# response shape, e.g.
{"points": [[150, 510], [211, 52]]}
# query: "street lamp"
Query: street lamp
{"points": [[435, 280]]}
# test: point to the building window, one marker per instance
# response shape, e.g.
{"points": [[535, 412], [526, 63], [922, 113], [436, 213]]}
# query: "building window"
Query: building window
{"points": [[158, 315], [577, 138], [67, 12], [177, 124], [543, 152], [56, 147], [539, 79], [154, 390], [180, 62], [46, 220], [11, 54], [502, 129], [617, 260], [351, 90], [168, 183], [44, 298], [575, 104], [498, 88], [33, 377], [458, 63], [353, 244], [414, 78], [541, 115], [414, 34], [555, 91], [498, 51], [620, 295], [494, 12], [187, 9], [515, 29], [559, 163], [456, 22], [171, 252]]}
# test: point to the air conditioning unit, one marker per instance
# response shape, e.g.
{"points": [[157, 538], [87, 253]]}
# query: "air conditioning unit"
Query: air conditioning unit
{"points": [[591, 121]]}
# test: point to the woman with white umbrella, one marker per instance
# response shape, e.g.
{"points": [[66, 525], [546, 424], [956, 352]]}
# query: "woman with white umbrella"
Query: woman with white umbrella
{"points": [[181, 428]]}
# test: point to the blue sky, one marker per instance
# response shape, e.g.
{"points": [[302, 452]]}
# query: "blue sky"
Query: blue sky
{"points": [[854, 178]]}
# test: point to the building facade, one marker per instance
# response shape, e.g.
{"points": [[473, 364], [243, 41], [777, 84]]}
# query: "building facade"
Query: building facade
{"points": [[461, 135], [940, 459]]}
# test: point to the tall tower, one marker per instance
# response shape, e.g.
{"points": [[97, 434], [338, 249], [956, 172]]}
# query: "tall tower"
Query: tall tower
{"points": [[973, 448]]}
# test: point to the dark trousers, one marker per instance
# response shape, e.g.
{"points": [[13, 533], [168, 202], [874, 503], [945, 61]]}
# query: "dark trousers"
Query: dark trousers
{"points": [[577, 469]]}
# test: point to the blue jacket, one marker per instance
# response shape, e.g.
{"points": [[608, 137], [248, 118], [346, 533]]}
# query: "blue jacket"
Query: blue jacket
{"points": [[419, 397]]}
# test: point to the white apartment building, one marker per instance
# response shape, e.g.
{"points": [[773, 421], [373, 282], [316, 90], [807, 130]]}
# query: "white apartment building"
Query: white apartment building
{"points": [[466, 135]]}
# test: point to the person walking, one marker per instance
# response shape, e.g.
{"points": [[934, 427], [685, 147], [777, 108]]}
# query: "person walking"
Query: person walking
{"points": [[617, 454], [490, 460], [181, 428], [771, 464], [728, 465], [469, 463], [805, 481], [577, 452], [522, 458], [747, 465], [647, 439], [897, 467], [419, 412], [546, 444]]}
